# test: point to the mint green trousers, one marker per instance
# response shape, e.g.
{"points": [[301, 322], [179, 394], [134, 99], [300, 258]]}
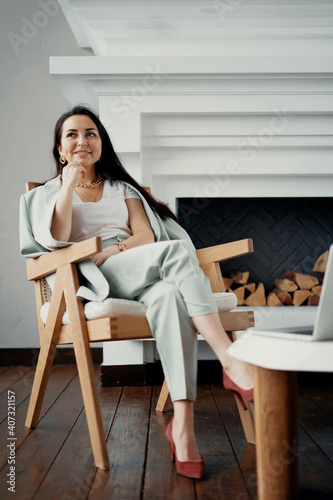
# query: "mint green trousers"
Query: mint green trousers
{"points": [[166, 276]]}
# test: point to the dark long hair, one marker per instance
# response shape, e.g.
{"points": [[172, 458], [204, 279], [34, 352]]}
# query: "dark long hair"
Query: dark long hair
{"points": [[109, 165]]}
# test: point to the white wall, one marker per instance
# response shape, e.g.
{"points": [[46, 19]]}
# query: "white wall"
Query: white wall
{"points": [[30, 103]]}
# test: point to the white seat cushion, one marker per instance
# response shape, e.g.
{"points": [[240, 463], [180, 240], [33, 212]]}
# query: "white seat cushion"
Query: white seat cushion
{"points": [[114, 307], [225, 301]]}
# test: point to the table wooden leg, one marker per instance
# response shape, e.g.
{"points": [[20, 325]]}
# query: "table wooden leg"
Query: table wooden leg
{"points": [[276, 434]]}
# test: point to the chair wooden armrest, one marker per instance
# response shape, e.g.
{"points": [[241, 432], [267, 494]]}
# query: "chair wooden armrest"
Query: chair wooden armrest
{"points": [[50, 262], [210, 257], [225, 251]]}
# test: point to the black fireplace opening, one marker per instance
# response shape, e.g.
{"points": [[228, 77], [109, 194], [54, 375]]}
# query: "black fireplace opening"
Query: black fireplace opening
{"points": [[287, 233]]}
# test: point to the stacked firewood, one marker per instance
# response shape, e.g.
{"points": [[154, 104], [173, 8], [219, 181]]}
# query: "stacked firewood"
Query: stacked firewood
{"points": [[293, 289], [249, 294]]}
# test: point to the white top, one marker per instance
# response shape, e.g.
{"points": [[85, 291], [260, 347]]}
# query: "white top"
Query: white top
{"points": [[105, 218]]}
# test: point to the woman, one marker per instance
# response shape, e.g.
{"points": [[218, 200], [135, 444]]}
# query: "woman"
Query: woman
{"points": [[146, 256]]}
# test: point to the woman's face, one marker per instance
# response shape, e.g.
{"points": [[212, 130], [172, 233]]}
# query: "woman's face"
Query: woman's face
{"points": [[80, 140]]}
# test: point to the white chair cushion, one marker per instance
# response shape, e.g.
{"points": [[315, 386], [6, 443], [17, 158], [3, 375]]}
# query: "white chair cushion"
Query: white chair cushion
{"points": [[114, 307], [225, 302]]}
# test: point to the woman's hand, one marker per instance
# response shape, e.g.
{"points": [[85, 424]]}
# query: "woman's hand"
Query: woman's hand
{"points": [[107, 252], [71, 174], [142, 232], [62, 215]]}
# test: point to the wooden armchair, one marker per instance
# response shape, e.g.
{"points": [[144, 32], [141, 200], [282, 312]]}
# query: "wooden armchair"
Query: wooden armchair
{"points": [[80, 332]]}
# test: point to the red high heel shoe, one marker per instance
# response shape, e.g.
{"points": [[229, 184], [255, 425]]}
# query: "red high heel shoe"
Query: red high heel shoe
{"points": [[240, 393], [193, 470]]}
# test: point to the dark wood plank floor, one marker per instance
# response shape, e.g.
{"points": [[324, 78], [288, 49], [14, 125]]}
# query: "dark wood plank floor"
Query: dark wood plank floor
{"points": [[55, 460]]}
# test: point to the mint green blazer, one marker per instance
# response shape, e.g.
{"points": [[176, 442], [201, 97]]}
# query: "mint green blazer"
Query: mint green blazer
{"points": [[36, 212]]}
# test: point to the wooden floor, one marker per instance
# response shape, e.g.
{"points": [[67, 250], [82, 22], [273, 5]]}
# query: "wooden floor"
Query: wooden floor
{"points": [[54, 461]]}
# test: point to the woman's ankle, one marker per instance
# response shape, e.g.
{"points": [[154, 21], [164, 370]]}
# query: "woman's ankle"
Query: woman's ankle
{"points": [[186, 444], [240, 373]]}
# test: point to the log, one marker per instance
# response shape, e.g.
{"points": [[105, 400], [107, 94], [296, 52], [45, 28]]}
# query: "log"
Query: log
{"points": [[300, 296], [285, 285], [304, 281], [239, 292], [316, 290], [289, 275], [273, 300], [227, 282], [285, 297], [313, 300], [258, 297], [240, 277], [320, 265]]}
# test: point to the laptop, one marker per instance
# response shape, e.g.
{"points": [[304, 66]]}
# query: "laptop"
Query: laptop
{"points": [[322, 329]]}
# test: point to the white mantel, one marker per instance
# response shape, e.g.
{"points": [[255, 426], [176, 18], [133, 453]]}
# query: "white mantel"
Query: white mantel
{"points": [[208, 98], [213, 126]]}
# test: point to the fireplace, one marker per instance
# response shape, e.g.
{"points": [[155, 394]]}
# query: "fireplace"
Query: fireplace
{"points": [[288, 233]]}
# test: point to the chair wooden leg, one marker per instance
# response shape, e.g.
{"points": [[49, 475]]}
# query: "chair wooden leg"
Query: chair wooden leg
{"points": [[247, 419], [246, 416], [46, 354], [85, 369], [163, 397]]}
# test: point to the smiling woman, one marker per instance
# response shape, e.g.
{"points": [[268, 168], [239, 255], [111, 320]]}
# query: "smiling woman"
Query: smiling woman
{"points": [[80, 142], [146, 257], [80, 149]]}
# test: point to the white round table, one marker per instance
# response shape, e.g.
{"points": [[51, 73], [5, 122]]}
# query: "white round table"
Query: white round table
{"points": [[276, 363]]}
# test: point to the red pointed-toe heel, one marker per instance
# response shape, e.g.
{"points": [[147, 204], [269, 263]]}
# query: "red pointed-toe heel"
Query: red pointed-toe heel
{"points": [[240, 393], [193, 470]]}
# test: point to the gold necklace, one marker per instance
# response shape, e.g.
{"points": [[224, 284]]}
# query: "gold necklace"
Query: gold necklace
{"points": [[97, 182]]}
